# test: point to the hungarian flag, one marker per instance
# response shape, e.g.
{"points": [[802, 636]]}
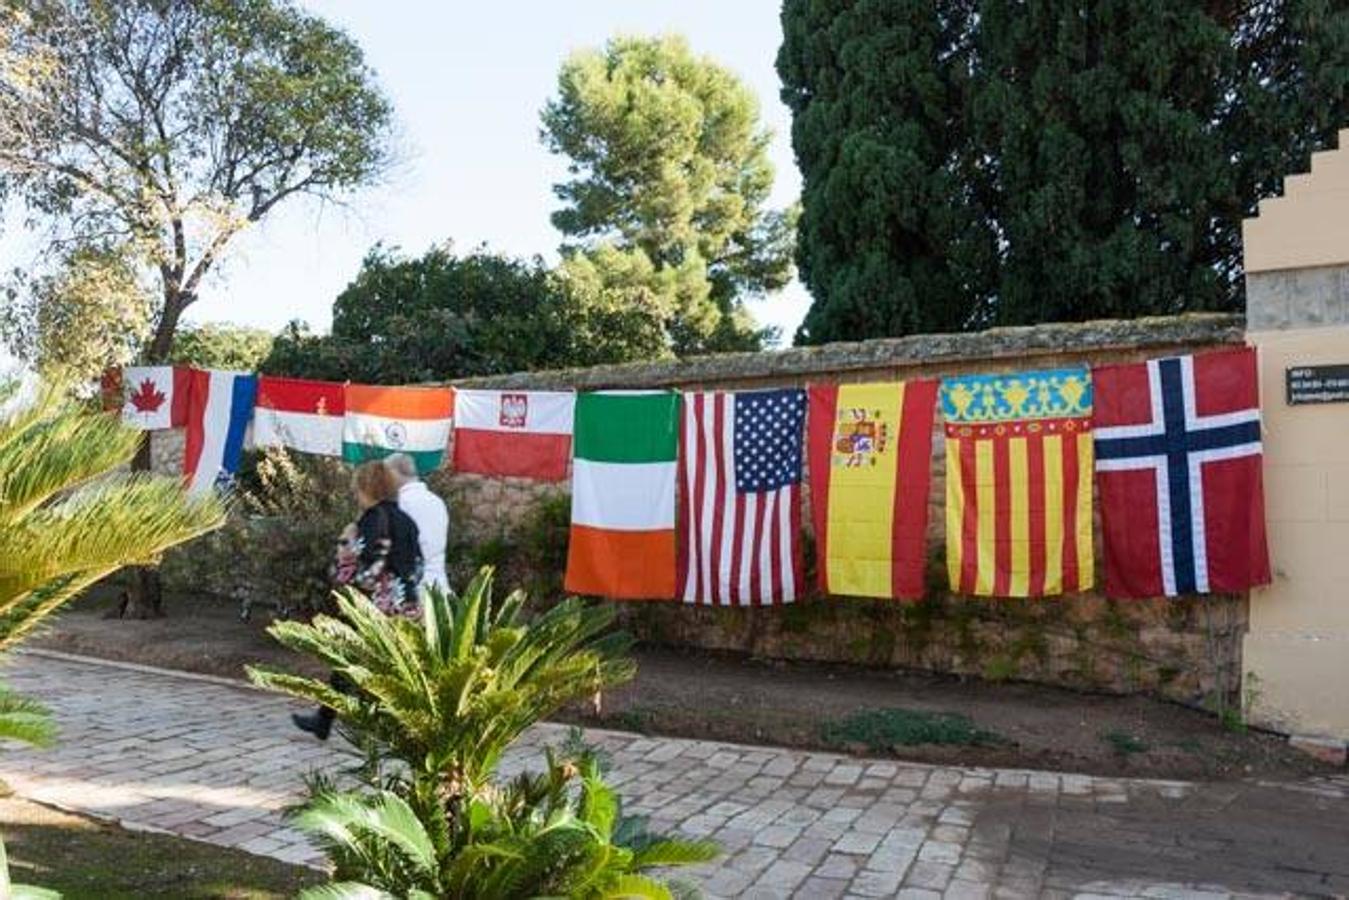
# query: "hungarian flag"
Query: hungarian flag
{"points": [[220, 405], [623, 495], [870, 473], [380, 421], [1018, 483], [300, 414], [150, 397], [1178, 463], [740, 503], [513, 433]]}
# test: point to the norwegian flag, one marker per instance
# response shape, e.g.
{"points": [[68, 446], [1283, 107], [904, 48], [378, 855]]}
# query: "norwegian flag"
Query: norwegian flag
{"points": [[1178, 467], [740, 497]]}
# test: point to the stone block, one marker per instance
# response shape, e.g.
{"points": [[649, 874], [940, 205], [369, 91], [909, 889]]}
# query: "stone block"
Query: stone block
{"points": [[1328, 750]]}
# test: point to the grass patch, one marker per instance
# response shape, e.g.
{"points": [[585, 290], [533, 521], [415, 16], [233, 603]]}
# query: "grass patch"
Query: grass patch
{"points": [[883, 729], [1123, 743], [89, 860], [636, 718]]}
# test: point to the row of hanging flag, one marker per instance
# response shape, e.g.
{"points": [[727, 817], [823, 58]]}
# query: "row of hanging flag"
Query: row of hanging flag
{"points": [[699, 496], [497, 433]]}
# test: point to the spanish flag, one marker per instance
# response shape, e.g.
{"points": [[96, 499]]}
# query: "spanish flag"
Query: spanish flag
{"points": [[870, 472], [1018, 483]]}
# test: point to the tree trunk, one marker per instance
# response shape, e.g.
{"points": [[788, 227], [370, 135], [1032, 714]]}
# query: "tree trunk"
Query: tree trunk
{"points": [[144, 597]]}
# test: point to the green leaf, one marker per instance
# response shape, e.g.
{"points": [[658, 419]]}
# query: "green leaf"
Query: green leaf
{"points": [[345, 890]]}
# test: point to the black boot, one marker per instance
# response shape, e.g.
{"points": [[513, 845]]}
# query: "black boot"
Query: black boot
{"points": [[319, 723]]}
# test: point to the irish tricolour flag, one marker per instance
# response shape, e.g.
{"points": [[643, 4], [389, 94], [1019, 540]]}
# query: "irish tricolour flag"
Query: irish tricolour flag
{"points": [[380, 421], [623, 495]]}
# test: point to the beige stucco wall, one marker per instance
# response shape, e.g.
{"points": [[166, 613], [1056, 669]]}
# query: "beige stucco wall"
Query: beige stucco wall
{"points": [[1296, 653], [1307, 225]]}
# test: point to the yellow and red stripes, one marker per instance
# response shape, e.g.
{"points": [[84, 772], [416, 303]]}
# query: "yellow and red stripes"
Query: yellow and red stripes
{"points": [[1018, 509]]}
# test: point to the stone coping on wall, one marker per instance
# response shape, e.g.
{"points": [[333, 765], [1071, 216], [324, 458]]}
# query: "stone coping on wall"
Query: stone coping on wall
{"points": [[1193, 329]]}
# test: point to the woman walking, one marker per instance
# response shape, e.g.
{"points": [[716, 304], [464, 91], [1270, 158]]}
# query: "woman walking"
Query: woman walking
{"points": [[380, 556]]}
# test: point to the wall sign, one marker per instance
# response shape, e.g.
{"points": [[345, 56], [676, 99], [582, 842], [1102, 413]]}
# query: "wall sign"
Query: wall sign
{"points": [[1317, 384]]}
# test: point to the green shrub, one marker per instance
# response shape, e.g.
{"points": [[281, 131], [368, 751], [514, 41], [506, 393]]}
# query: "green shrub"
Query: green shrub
{"points": [[1123, 743], [278, 543], [880, 730], [436, 703]]}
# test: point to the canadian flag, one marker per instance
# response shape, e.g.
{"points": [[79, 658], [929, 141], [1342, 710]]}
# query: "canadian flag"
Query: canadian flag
{"points": [[154, 397]]}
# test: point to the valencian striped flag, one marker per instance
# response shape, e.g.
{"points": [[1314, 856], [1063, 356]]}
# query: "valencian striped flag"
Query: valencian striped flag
{"points": [[1018, 483], [870, 470], [624, 451], [740, 507]]}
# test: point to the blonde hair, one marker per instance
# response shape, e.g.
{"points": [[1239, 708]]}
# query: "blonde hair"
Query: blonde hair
{"points": [[374, 481]]}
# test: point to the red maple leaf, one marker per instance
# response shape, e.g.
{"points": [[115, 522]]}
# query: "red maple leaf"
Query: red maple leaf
{"points": [[147, 398]]}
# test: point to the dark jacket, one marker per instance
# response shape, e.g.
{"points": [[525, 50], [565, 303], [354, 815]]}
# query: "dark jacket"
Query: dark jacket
{"points": [[390, 557]]}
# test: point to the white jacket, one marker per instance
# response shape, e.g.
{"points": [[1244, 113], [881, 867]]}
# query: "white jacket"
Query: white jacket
{"points": [[433, 528]]}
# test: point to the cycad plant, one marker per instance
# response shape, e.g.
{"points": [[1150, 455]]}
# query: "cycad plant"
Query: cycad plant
{"points": [[69, 516], [442, 699]]}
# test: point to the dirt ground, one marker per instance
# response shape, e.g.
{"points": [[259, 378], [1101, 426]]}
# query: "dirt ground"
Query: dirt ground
{"points": [[701, 695], [85, 859]]}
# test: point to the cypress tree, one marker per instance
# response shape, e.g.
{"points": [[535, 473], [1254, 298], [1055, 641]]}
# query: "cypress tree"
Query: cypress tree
{"points": [[1082, 159]]}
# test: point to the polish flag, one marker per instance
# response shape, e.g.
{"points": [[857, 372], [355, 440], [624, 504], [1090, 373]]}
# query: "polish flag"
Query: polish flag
{"points": [[152, 397], [219, 407], [513, 433], [300, 414]]}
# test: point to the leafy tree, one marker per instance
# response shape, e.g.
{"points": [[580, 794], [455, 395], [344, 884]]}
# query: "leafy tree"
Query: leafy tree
{"points": [[669, 162], [91, 312], [220, 345], [442, 699], [980, 162], [174, 125], [171, 126], [442, 316]]}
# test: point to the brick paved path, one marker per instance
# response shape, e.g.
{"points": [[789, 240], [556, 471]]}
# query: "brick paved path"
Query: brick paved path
{"points": [[218, 762]]}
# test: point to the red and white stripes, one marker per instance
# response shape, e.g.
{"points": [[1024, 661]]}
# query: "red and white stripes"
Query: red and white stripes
{"points": [[737, 548]]}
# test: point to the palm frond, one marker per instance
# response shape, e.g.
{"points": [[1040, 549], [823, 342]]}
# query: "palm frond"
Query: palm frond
{"points": [[24, 720], [345, 890], [670, 852], [636, 887], [99, 528], [52, 446]]}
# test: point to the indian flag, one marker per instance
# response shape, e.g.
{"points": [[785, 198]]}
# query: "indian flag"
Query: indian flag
{"points": [[381, 421], [623, 495]]}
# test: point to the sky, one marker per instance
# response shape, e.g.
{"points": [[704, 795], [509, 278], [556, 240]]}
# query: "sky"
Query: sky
{"points": [[467, 81]]}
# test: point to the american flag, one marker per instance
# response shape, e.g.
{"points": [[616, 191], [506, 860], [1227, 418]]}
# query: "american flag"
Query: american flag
{"points": [[740, 498]]}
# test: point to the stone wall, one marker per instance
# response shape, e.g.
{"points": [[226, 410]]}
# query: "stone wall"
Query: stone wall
{"points": [[1188, 649]]}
